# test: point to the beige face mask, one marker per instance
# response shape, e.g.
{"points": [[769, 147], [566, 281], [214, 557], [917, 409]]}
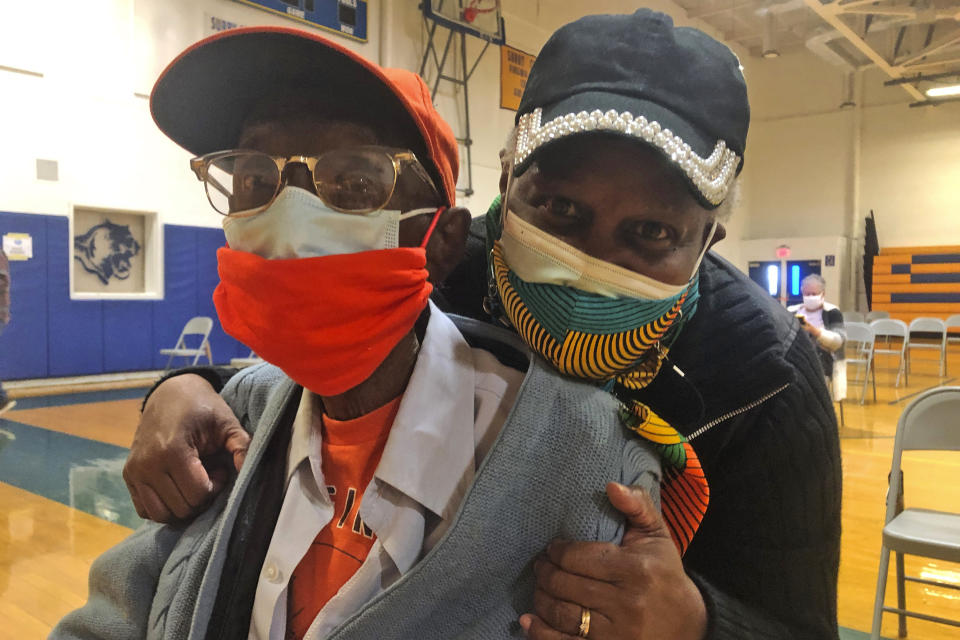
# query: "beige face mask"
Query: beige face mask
{"points": [[298, 224], [536, 256]]}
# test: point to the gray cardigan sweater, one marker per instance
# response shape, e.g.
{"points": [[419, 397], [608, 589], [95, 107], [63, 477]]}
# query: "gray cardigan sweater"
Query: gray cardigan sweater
{"points": [[544, 478]]}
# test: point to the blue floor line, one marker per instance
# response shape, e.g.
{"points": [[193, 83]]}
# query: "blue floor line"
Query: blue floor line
{"points": [[83, 397], [853, 634], [77, 472]]}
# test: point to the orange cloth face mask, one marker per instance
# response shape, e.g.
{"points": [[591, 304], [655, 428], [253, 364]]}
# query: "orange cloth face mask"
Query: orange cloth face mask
{"points": [[327, 321]]}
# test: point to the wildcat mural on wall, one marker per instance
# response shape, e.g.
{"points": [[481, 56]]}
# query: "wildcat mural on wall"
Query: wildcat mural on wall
{"points": [[106, 250]]}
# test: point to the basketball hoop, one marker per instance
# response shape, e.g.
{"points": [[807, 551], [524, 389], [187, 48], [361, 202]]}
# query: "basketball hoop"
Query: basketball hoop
{"points": [[480, 18], [477, 7]]}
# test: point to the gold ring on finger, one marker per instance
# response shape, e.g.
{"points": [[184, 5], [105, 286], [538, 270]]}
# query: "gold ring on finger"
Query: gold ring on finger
{"points": [[584, 622]]}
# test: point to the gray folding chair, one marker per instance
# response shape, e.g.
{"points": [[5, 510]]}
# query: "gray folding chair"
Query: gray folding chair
{"points": [[929, 325], [852, 316], [931, 422], [885, 329], [198, 326], [859, 352], [953, 322], [877, 315]]}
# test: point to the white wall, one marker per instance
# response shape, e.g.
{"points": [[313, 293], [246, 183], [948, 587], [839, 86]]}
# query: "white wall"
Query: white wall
{"points": [[910, 174]]}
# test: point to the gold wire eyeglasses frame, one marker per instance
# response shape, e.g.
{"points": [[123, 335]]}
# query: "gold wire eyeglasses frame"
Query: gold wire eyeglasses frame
{"points": [[399, 158]]}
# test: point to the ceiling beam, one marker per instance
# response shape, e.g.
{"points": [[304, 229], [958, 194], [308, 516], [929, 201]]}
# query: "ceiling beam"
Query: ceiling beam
{"points": [[903, 11], [942, 42], [721, 10], [830, 14], [918, 66], [856, 3], [923, 78]]}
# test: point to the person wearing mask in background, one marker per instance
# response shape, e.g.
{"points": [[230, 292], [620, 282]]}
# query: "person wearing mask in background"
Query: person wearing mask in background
{"points": [[630, 134], [824, 322], [5, 402], [361, 506]]}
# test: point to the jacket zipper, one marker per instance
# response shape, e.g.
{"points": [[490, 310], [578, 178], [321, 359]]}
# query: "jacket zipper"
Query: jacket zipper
{"points": [[735, 412]]}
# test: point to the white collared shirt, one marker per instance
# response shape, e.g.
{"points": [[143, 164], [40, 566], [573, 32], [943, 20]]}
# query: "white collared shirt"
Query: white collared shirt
{"points": [[455, 403]]}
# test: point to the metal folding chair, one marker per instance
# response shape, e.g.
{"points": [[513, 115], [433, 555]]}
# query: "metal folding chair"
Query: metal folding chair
{"points": [[931, 422], [859, 352], [877, 315], [852, 316], [886, 329], [200, 326], [929, 325], [953, 322]]}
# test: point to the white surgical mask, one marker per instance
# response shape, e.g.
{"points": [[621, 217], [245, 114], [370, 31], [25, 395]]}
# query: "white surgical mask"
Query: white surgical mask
{"points": [[298, 224], [536, 256], [812, 303]]}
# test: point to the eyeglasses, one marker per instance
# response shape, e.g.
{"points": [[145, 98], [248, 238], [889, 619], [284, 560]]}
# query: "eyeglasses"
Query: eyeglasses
{"points": [[242, 182]]}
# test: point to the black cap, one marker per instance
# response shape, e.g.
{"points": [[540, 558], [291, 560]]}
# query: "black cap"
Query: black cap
{"points": [[674, 88]]}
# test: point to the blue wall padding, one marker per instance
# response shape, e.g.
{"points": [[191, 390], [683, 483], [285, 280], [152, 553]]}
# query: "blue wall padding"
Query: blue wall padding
{"points": [[933, 258], [52, 335], [75, 334], [899, 268], [180, 283], [23, 344], [208, 241], [127, 335], [934, 277], [925, 297]]}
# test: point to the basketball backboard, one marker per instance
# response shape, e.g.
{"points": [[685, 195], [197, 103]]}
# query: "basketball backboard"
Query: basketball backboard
{"points": [[480, 18]]}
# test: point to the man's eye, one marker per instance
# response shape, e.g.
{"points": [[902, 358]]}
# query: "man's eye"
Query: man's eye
{"points": [[561, 208]]}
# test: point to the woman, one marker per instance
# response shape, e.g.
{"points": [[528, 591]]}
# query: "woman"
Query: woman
{"points": [[824, 322]]}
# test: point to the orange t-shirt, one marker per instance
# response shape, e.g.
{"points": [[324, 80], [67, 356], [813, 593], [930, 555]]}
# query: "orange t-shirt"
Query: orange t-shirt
{"points": [[350, 452]]}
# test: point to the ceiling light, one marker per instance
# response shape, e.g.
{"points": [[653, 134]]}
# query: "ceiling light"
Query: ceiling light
{"points": [[939, 92]]}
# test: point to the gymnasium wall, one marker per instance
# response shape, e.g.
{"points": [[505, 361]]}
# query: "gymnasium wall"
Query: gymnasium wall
{"points": [[50, 335], [823, 168]]}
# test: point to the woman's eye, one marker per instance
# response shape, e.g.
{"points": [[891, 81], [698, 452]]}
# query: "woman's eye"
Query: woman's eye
{"points": [[652, 231]]}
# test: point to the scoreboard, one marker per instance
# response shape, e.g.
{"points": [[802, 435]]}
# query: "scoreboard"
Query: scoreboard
{"points": [[346, 17]]}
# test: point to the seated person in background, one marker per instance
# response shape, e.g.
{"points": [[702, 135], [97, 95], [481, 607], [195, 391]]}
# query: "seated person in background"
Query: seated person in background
{"points": [[824, 322], [370, 423], [629, 138], [5, 402]]}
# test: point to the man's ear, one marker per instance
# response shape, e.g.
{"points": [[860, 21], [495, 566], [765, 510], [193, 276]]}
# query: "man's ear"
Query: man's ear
{"points": [[447, 243], [504, 175]]}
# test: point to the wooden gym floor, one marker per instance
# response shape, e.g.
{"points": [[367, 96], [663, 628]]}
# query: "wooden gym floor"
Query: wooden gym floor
{"points": [[62, 501]]}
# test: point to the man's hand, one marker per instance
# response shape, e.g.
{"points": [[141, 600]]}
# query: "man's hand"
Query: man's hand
{"points": [[637, 590], [180, 456]]}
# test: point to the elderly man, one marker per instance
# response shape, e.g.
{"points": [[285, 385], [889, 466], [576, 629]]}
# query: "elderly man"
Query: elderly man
{"points": [[629, 138]]}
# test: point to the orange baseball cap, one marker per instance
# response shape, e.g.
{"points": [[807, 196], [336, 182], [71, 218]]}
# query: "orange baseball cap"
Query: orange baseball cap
{"points": [[200, 101]]}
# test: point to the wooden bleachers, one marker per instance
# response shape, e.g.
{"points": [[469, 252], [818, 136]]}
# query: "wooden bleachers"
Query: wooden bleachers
{"points": [[913, 282]]}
